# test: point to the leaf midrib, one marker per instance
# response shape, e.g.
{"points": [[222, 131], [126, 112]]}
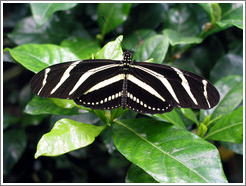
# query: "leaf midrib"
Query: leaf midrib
{"points": [[161, 150], [222, 129]]}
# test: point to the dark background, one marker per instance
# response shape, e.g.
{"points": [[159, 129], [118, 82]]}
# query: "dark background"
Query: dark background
{"points": [[93, 163]]}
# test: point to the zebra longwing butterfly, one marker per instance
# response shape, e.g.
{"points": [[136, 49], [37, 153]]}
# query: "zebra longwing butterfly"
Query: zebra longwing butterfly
{"points": [[140, 86]]}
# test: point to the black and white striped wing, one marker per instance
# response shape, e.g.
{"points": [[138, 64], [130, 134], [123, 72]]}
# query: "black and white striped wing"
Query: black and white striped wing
{"points": [[162, 87], [93, 83]]}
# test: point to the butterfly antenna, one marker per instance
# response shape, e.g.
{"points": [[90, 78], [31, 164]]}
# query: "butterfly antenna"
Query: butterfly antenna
{"points": [[143, 37], [112, 30]]}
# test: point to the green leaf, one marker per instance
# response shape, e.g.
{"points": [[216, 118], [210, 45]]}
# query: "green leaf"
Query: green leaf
{"points": [[114, 14], [229, 128], [155, 47], [9, 120], [176, 38], [231, 94], [214, 11], [229, 64], [171, 117], [36, 57], [232, 14], [40, 105], [65, 136], [189, 113], [137, 175], [112, 50], [81, 47], [43, 11], [54, 31], [167, 153], [202, 129], [63, 103], [183, 19], [14, 144]]}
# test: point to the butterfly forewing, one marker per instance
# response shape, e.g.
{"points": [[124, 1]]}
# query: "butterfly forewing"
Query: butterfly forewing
{"points": [[70, 80]]}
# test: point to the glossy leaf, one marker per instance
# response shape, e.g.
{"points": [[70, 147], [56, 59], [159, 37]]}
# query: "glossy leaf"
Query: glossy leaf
{"points": [[137, 175], [171, 117], [36, 57], [81, 47], [114, 14], [229, 64], [43, 11], [176, 38], [63, 103], [229, 128], [169, 154], [231, 94], [40, 105], [155, 47], [112, 50], [26, 31], [14, 144], [65, 136]]}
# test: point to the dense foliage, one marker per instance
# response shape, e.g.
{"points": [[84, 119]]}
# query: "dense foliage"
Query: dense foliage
{"points": [[184, 145]]}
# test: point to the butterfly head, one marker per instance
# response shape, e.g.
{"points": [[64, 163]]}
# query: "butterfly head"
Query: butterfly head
{"points": [[127, 57]]}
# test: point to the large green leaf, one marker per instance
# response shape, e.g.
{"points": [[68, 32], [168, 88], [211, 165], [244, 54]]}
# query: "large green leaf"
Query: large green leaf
{"points": [[155, 47], [229, 128], [137, 175], [40, 105], [231, 94], [65, 136], [36, 57], [43, 11], [114, 14], [176, 38], [81, 47], [167, 153]]}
